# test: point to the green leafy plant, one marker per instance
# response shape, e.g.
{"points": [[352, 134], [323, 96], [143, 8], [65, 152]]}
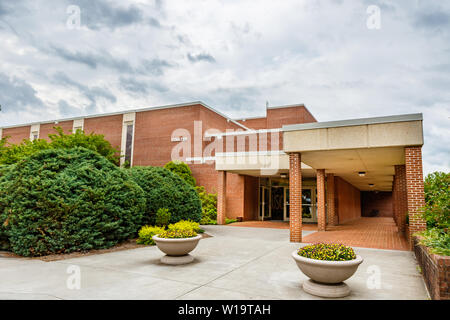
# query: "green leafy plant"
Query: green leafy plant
{"points": [[209, 206], [162, 217], [10, 154], [177, 234], [182, 170], [437, 197], [437, 240], [164, 189], [229, 221], [185, 225], [146, 233], [328, 252], [65, 200]]}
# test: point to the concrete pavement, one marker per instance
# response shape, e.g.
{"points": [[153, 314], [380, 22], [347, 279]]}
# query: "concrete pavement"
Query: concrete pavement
{"points": [[235, 263]]}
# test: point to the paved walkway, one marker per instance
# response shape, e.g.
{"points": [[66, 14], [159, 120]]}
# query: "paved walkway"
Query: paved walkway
{"points": [[271, 224], [235, 263], [379, 233]]}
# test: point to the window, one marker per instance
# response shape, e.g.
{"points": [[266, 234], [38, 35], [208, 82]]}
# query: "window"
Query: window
{"points": [[129, 143], [34, 135]]}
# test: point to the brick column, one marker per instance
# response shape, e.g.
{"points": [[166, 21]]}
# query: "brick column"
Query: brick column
{"points": [[414, 189], [331, 209], [394, 201], [295, 197], [221, 197], [400, 197], [321, 218]]}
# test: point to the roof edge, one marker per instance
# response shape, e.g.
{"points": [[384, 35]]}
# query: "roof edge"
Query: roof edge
{"points": [[353, 122]]}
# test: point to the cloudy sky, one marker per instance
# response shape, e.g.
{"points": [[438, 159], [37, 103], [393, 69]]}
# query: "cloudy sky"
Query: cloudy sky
{"points": [[233, 55]]}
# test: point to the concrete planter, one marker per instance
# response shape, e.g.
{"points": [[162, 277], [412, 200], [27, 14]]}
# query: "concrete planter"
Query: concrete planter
{"points": [[177, 250], [326, 277]]}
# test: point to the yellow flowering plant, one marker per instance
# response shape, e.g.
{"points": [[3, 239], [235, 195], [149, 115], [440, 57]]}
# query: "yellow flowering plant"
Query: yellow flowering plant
{"points": [[328, 252]]}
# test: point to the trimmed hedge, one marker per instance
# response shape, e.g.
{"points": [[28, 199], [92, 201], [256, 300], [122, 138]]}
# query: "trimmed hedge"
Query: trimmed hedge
{"points": [[165, 189], [65, 200]]}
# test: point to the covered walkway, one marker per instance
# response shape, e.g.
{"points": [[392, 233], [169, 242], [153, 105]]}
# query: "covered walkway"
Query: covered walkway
{"points": [[378, 233]]}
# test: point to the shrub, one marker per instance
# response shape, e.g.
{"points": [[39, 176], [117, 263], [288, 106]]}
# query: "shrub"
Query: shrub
{"points": [[162, 217], [327, 251], [5, 178], [182, 170], [176, 234], [437, 198], [164, 189], [185, 225], [209, 206], [206, 221], [146, 233], [65, 200], [92, 141], [229, 221], [15, 152], [96, 142], [437, 240]]}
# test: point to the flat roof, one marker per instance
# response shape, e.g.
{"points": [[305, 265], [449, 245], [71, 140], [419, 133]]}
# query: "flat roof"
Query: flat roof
{"points": [[353, 122], [130, 111]]}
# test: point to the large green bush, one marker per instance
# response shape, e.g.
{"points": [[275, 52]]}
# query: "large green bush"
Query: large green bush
{"points": [[10, 154], [5, 177], [182, 170], [64, 200], [209, 206], [437, 198], [165, 189]]}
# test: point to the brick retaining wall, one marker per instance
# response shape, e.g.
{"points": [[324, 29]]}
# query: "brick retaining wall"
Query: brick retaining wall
{"points": [[435, 271]]}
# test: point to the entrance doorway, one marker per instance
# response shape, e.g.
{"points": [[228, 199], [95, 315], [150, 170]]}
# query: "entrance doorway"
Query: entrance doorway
{"points": [[274, 202]]}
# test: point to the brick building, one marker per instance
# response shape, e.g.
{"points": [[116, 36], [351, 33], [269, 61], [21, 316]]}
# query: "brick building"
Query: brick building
{"points": [[281, 166]]}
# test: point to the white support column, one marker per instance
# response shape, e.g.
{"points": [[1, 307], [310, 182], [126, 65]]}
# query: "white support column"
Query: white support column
{"points": [[129, 119], [78, 124], [34, 131]]}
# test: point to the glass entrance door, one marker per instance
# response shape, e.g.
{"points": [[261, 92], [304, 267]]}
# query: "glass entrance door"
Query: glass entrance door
{"points": [[264, 203], [286, 203], [309, 204]]}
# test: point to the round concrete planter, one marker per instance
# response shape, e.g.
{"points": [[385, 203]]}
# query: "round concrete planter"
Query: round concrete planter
{"points": [[327, 276], [177, 250]]}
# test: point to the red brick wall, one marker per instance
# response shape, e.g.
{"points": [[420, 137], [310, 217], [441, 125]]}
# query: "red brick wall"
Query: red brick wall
{"points": [[17, 134], [381, 201], [349, 200], [278, 117], [435, 271], [47, 128], [235, 195], [221, 197], [414, 188], [109, 126], [400, 198], [295, 197], [321, 218], [331, 204], [251, 204]]}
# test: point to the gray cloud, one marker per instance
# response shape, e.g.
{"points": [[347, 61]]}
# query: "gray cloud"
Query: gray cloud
{"points": [[93, 60], [91, 93], [102, 14], [134, 86], [17, 95], [433, 20], [66, 110], [201, 57]]}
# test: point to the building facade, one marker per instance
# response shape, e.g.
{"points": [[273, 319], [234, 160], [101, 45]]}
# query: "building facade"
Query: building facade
{"points": [[281, 166]]}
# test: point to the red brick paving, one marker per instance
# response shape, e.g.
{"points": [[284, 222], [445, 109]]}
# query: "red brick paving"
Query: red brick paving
{"points": [[271, 224], [378, 233]]}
